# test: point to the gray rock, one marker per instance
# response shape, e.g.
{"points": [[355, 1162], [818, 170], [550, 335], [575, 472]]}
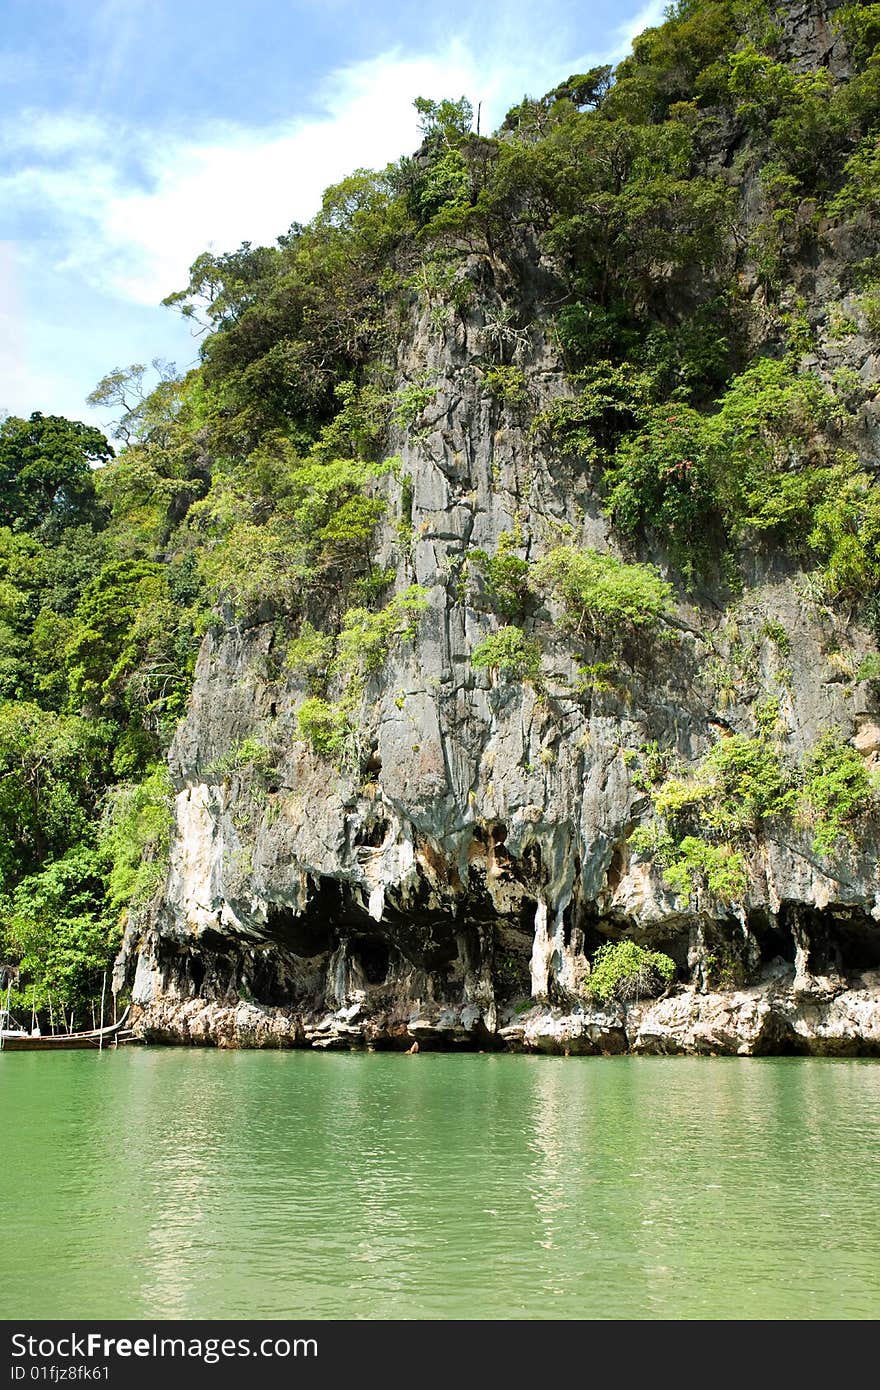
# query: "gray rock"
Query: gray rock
{"points": [[474, 851]]}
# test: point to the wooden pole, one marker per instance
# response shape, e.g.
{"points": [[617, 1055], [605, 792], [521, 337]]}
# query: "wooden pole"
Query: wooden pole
{"points": [[51, 1015], [103, 992], [8, 997]]}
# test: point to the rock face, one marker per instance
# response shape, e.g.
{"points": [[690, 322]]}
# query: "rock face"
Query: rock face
{"points": [[451, 885], [810, 38]]}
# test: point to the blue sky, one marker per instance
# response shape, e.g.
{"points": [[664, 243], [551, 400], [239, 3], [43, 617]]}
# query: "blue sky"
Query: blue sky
{"points": [[136, 133]]}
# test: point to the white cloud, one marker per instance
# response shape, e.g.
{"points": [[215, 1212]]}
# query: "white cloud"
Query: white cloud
{"points": [[49, 134], [649, 15], [224, 184], [135, 236], [12, 362], [105, 220]]}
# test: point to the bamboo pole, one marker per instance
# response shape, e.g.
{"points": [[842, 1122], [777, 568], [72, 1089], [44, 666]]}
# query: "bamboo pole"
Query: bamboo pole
{"points": [[8, 997], [103, 992]]}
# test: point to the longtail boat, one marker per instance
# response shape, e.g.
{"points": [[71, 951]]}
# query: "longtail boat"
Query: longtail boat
{"points": [[18, 1040]]}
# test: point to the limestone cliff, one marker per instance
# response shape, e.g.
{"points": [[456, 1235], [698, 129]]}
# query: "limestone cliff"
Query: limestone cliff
{"points": [[452, 880]]}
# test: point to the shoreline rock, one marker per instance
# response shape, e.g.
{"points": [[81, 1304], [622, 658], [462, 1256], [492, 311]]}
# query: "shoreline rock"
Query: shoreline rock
{"points": [[776, 1016]]}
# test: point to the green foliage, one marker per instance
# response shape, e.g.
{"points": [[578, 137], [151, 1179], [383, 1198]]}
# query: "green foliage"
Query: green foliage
{"points": [[309, 655], [531, 118], [860, 26], [663, 477], [846, 532], [442, 285], [601, 594], [443, 188], [357, 428], [679, 797], [325, 726], [739, 784], [143, 415], [762, 461], [136, 838], [51, 769], [130, 644], [286, 525], [720, 867], [705, 821], [868, 309], [869, 668], [651, 764], [834, 791], [614, 200], [359, 650], [738, 787], [254, 564], [509, 651], [57, 927], [222, 288], [411, 402], [97, 646], [611, 399], [748, 784], [366, 638], [597, 678], [444, 123], [809, 119], [293, 322], [508, 385], [248, 755], [506, 575], [777, 634], [768, 716], [46, 467], [625, 971]]}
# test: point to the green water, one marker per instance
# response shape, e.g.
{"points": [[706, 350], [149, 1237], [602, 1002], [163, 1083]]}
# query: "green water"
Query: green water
{"points": [[171, 1184]]}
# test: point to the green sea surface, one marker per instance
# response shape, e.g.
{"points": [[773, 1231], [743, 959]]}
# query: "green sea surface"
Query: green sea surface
{"points": [[171, 1183]]}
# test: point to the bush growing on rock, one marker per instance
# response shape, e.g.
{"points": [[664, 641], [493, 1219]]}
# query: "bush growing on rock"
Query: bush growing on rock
{"points": [[600, 594], [510, 651], [323, 725], [835, 791], [623, 970]]}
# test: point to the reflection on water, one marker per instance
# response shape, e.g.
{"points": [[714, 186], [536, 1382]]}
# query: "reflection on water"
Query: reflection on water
{"points": [[171, 1183]]}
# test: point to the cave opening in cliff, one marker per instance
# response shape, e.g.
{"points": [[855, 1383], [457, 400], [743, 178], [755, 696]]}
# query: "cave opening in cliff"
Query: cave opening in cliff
{"points": [[195, 972], [374, 957], [301, 933], [775, 940], [838, 938], [858, 937]]}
